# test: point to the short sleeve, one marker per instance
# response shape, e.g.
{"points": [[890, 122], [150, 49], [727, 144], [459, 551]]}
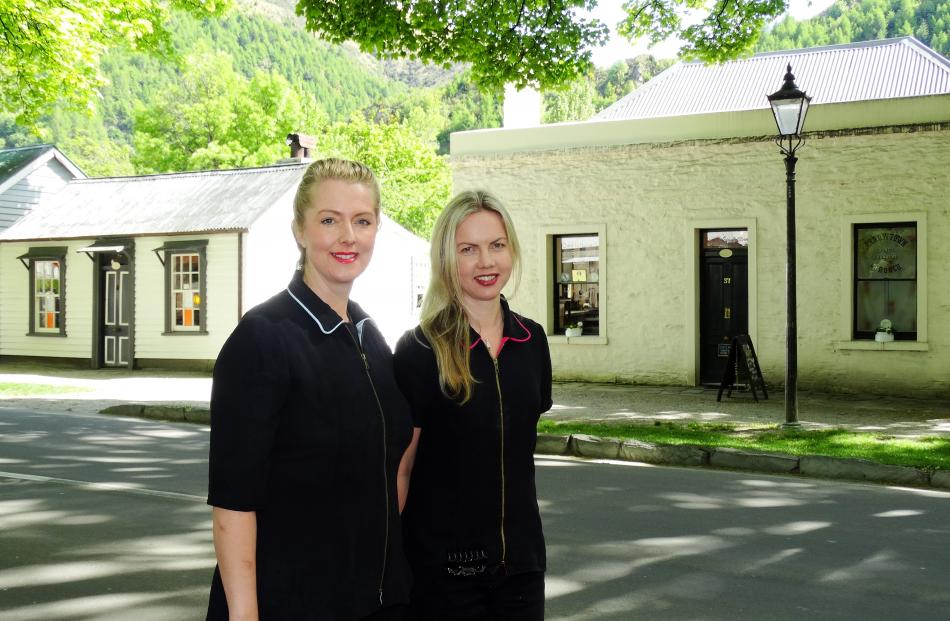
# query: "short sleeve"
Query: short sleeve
{"points": [[414, 366], [249, 388]]}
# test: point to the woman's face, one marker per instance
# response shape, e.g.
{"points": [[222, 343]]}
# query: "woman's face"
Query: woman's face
{"points": [[338, 232], [484, 258]]}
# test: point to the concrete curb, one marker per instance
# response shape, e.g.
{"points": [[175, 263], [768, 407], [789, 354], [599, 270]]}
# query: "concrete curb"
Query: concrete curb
{"points": [[550, 444], [940, 478], [862, 470], [175, 414], [746, 460], [582, 445], [666, 454]]}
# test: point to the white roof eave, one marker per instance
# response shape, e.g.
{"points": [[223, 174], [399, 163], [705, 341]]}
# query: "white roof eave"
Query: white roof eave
{"points": [[710, 126]]}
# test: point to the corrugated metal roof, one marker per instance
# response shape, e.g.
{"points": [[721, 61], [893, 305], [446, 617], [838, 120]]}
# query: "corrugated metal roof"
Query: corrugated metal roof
{"points": [[884, 69], [171, 203]]}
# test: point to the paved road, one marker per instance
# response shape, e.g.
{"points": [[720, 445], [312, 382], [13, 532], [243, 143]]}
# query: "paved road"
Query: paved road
{"points": [[104, 518]]}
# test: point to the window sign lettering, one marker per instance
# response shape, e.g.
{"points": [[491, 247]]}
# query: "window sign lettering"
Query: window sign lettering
{"points": [[885, 279], [887, 253]]}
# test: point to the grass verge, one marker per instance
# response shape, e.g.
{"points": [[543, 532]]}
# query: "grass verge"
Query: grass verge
{"points": [[928, 453], [9, 389]]}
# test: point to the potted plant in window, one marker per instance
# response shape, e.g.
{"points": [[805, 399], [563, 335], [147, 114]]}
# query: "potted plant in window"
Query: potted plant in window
{"points": [[574, 329], [884, 332]]}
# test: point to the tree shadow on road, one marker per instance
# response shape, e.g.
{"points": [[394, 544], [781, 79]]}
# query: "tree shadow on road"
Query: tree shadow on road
{"points": [[661, 543]]}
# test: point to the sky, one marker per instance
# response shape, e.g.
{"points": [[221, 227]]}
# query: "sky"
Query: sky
{"points": [[610, 12]]}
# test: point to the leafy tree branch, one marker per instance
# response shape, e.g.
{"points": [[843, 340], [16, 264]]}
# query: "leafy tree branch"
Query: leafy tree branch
{"points": [[50, 50]]}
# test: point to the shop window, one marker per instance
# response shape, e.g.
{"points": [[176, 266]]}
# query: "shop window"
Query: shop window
{"points": [[186, 292], [577, 286], [47, 275], [885, 280], [185, 286], [48, 301]]}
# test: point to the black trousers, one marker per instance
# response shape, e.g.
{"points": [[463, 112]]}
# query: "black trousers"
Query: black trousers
{"points": [[486, 597]]}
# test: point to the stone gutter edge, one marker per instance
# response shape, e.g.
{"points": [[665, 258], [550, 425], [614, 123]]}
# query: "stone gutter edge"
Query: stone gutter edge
{"points": [[593, 447]]}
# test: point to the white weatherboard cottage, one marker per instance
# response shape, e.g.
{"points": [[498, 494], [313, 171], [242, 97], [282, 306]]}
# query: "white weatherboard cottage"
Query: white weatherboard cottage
{"points": [[663, 222], [157, 270]]}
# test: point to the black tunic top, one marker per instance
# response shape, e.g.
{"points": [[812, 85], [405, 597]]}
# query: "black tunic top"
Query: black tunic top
{"points": [[309, 437], [472, 493]]}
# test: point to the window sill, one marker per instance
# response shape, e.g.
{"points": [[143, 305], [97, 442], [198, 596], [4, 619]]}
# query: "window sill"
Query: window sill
{"points": [[888, 346], [47, 334], [560, 339], [185, 333]]}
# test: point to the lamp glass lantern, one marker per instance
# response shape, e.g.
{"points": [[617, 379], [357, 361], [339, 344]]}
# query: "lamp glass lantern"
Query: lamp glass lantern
{"points": [[789, 105]]}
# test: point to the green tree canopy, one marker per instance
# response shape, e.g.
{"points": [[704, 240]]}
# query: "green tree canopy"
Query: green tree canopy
{"points": [[522, 41], [50, 50], [728, 29], [216, 118], [544, 43], [415, 181]]}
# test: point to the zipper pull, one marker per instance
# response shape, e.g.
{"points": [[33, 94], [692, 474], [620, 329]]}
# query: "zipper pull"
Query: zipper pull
{"points": [[365, 360], [380, 597]]}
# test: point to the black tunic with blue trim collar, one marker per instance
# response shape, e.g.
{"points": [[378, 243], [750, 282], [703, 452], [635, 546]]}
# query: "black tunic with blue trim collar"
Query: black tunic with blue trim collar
{"points": [[309, 437], [472, 495]]}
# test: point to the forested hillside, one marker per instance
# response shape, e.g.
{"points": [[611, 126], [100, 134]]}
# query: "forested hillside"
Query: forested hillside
{"points": [[865, 20]]}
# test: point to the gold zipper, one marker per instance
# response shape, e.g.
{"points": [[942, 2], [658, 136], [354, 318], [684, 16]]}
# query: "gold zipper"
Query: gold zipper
{"points": [[382, 418], [501, 415]]}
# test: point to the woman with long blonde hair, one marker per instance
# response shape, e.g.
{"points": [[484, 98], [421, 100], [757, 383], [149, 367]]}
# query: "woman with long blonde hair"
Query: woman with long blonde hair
{"points": [[477, 377]]}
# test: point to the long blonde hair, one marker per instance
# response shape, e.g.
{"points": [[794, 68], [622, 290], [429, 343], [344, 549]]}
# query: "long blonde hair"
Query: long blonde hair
{"points": [[442, 319], [324, 170]]}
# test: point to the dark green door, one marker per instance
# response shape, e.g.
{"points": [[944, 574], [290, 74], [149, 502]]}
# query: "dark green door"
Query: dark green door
{"points": [[723, 297], [115, 312]]}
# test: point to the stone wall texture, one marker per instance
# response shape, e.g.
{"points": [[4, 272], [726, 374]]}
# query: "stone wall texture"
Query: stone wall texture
{"points": [[652, 197]]}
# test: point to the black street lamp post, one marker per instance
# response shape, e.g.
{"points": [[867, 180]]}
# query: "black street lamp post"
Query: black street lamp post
{"points": [[789, 105]]}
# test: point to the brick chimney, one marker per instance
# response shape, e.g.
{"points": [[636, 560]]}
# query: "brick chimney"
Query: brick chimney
{"points": [[300, 145], [521, 108]]}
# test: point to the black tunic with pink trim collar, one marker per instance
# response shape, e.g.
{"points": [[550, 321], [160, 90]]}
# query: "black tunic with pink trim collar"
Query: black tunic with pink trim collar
{"points": [[472, 498]]}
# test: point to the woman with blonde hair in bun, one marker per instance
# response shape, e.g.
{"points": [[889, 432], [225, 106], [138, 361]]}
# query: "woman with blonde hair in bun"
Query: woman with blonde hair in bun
{"points": [[308, 428]]}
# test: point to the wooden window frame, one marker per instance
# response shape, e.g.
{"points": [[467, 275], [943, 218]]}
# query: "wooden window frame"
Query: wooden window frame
{"points": [[191, 247], [547, 309], [45, 254], [868, 335]]}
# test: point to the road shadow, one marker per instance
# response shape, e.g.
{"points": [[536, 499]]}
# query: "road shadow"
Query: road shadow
{"points": [[639, 542]]}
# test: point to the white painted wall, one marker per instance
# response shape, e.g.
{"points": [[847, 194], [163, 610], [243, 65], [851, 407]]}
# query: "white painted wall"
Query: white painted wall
{"points": [[650, 198], [270, 253], [386, 288], [15, 301], [221, 300]]}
